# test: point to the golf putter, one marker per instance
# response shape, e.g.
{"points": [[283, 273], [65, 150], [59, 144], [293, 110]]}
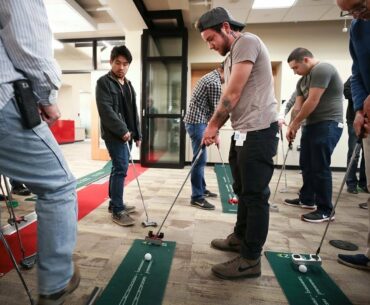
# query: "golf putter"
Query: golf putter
{"points": [[282, 168], [233, 199], [156, 239], [27, 262], [315, 258], [356, 151], [284, 190], [147, 222]]}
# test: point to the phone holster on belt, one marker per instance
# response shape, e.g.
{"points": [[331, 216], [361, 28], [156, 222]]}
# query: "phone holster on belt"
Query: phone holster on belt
{"points": [[27, 103]]}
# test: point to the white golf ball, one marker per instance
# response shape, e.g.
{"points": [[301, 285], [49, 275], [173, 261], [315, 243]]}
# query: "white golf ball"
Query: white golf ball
{"points": [[148, 256], [302, 268]]}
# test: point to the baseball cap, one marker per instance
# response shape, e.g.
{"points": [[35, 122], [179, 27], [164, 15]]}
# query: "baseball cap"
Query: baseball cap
{"points": [[216, 16]]}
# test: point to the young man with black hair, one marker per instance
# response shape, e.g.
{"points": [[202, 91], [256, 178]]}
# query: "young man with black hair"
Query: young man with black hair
{"points": [[119, 122], [319, 103], [248, 98]]}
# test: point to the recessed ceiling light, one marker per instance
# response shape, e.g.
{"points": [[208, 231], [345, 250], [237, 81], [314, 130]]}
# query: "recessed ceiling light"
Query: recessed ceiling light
{"points": [[270, 4]]}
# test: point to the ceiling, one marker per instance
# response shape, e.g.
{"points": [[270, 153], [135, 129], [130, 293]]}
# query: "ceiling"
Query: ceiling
{"points": [[115, 17]]}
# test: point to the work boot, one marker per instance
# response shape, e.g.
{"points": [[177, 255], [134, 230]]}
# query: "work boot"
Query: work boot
{"points": [[238, 267], [123, 219], [231, 243], [59, 297]]}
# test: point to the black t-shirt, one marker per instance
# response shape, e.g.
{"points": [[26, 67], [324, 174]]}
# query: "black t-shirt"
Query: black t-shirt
{"points": [[128, 109]]}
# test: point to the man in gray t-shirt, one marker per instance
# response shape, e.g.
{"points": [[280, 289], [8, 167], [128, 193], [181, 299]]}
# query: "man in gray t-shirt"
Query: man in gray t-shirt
{"points": [[248, 98], [319, 102]]}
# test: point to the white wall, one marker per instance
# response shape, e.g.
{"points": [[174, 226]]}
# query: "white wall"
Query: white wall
{"points": [[324, 39]]}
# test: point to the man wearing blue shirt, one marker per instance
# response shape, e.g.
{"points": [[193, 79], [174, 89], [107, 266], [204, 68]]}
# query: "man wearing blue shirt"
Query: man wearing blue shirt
{"points": [[360, 85], [29, 152]]}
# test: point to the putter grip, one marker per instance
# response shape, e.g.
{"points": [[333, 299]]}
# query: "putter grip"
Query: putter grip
{"points": [[27, 103]]}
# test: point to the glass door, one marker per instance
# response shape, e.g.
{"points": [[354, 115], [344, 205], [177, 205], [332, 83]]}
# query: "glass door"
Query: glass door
{"points": [[163, 100]]}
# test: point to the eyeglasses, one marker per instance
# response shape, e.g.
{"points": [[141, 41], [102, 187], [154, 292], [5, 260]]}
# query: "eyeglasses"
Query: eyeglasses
{"points": [[355, 11]]}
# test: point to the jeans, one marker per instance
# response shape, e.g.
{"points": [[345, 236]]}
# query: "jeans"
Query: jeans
{"points": [[120, 159], [252, 167], [34, 157], [352, 180], [198, 184], [366, 146], [317, 145]]}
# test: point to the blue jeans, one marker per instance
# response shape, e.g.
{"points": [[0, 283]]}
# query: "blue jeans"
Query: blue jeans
{"points": [[317, 145], [352, 180], [120, 158], [198, 184], [252, 167], [33, 157]]}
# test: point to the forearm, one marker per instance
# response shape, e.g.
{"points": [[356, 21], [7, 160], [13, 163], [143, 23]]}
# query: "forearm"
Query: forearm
{"points": [[223, 110], [306, 109]]}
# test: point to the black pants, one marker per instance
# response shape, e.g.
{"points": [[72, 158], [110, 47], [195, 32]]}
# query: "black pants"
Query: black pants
{"points": [[252, 167]]}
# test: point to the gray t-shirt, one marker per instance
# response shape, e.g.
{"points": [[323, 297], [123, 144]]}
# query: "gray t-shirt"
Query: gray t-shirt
{"points": [[330, 106], [257, 107]]}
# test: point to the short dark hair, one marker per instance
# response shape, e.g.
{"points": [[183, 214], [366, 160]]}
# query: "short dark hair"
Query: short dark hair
{"points": [[121, 51], [298, 54]]}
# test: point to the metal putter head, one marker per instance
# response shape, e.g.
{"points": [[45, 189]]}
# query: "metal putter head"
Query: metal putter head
{"points": [[312, 259], [154, 239], [29, 261], [147, 223]]}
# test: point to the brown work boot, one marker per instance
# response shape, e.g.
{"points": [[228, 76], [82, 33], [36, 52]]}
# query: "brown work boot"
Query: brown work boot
{"points": [[123, 219], [238, 267], [59, 297], [231, 243]]}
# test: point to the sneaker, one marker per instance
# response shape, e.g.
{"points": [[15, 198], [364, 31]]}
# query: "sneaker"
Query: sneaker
{"points": [[2, 197], [298, 203], [317, 216], [59, 297], [21, 191], [231, 243], [123, 219], [239, 267], [209, 194], [202, 204], [128, 209], [363, 205], [352, 190], [358, 261], [362, 189]]}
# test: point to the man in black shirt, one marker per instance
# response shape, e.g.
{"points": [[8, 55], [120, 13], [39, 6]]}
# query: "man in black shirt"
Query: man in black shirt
{"points": [[119, 122]]}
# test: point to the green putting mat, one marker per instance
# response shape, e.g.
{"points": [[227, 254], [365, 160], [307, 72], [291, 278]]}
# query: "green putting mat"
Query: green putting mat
{"points": [[314, 287], [88, 179], [137, 281], [225, 188]]}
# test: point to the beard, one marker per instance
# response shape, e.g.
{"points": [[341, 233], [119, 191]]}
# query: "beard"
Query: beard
{"points": [[223, 48]]}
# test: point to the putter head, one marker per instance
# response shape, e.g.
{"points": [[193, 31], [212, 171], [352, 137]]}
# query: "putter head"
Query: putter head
{"points": [[29, 261], [154, 239], [310, 259], [147, 223]]}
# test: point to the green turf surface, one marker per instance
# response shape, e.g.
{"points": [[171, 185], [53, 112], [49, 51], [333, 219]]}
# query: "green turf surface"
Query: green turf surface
{"points": [[137, 281], [225, 188], [88, 179], [314, 287]]}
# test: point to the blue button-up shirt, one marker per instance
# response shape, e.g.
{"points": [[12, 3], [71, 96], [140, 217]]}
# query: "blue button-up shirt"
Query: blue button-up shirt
{"points": [[25, 50]]}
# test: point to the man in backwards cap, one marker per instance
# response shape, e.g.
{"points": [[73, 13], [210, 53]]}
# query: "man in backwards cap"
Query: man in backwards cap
{"points": [[248, 99]]}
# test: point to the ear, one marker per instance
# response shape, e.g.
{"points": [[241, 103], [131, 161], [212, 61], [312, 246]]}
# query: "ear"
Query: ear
{"points": [[226, 28]]}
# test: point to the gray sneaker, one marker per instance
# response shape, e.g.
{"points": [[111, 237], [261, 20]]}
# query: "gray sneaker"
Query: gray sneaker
{"points": [[59, 297], [202, 204], [123, 219], [128, 209], [239, 267], [230, 243]]}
